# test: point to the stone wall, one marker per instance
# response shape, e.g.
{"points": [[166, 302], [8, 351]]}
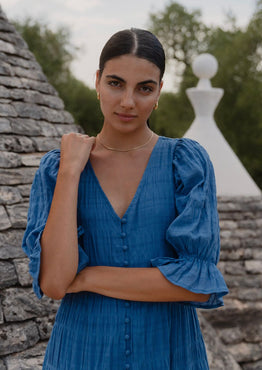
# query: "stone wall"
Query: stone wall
{"points": [[239, 322]]}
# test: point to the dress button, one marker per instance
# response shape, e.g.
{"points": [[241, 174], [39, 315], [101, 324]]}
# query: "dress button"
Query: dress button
{"points": [[127, 304], [127, 320], [125, 263], [123, 235], [123, 221], [128, 352], [127, 366], [125, 247], [127, 337]]}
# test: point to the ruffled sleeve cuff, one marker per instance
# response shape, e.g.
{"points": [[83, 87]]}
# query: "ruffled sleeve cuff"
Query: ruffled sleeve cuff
{"points": [[35, 256], [195, 275]]}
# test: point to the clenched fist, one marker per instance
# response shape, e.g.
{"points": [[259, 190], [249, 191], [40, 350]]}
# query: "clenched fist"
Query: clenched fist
{"points": [[75, 152]]}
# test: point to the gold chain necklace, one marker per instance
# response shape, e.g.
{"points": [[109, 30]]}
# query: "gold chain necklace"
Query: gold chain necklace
{"points": [[125, 150]]}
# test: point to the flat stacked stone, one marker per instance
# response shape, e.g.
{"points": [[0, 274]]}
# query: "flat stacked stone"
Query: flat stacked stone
{"points": [[239, 322], [32, 121]]}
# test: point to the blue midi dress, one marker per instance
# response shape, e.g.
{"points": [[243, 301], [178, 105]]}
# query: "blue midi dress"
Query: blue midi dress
{"points": [[171, 224]]}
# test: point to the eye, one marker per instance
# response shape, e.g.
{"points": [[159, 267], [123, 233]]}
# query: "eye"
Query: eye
{"points": [[114, 83], [146, 89]]}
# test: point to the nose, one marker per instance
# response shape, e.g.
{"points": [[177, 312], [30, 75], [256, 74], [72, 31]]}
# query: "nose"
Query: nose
{"points": [[127, 100]]}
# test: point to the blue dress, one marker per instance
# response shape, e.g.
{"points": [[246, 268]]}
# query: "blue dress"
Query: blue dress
{"points": [[172, 224]]}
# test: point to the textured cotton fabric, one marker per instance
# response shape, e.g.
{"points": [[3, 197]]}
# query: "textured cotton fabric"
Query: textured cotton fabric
{"points": [[172, 224]]}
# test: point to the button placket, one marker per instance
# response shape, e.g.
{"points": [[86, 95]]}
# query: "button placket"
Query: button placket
{"points": [[127, 320]]}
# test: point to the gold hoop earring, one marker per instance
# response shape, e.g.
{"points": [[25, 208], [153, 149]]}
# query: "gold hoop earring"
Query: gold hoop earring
{"points": [[156, 106], [98, 96]]}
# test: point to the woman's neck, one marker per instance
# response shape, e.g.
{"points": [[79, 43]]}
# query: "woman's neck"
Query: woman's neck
{"points": [[124, 141]]}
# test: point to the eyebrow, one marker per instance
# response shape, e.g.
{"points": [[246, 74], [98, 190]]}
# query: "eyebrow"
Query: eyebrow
{"points": [[139, 83]]}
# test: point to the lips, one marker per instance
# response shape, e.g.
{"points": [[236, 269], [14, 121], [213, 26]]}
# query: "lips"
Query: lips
{"points": [[125, 117]]}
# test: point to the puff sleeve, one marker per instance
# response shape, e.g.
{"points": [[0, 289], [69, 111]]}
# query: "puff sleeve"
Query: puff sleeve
{"points": [[194, 233], [40, 200]]}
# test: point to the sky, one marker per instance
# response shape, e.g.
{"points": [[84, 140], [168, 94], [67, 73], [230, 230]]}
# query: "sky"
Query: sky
{"points": [[92, 22]]}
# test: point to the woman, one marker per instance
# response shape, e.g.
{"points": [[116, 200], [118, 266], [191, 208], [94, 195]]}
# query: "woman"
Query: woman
{"points": [[124, 228]]}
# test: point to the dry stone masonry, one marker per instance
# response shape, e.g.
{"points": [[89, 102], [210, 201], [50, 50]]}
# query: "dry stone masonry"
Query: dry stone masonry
{"points": [[32, 121]]}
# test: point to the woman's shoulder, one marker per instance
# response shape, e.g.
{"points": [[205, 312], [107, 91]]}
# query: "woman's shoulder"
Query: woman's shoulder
{"points": [[184, 146], [49, 163]]}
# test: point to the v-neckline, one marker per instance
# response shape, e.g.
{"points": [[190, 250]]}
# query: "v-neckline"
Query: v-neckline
{"points": [[138, 189]]}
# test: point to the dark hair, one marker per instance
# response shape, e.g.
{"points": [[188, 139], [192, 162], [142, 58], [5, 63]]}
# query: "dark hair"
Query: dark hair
{"points": [[138, 42]]}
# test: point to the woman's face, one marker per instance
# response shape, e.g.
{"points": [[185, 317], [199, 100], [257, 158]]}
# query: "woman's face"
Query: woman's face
{"points": [[129, 88]]}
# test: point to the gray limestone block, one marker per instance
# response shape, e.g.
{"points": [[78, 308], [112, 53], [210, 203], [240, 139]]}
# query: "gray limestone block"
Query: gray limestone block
{"points": [[47, 129], [10, 244], [25, 63], [7, 274], [18, 214], [31, 160], [43, 87], [50, 101], [25, 126], [9, 195], [16, 144], [25, 190], [246, 352], [67, 117], [66, 129], [228, 225], [6, 26], [18, 337], [235, 281], [31, 74], [9, 160], [253, 333], [232, 335], [236, 312], [1, 313], [20, 304], [17, 176], [257, 365], [6, 69], [218, 356], [5, 126], [22, 270], [253, 267], [6, 47], [46, 144], [6, 110], [235, 268], [5, 222], [30, 359], [2, 365], [10, 81], [237, 254], [38, 112], [257, 254], [250, 294], [5, 93], [45, 326], [13, 38]]}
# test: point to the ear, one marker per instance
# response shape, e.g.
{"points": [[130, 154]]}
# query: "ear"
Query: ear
{"points": [[97, 79], [160, 88]]}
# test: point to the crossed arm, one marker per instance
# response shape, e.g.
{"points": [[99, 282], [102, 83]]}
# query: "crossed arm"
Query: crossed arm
{"points": [[138, 284]]}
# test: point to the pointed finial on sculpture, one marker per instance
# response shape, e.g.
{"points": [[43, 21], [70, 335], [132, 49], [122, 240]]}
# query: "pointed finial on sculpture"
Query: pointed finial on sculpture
{"points": [[231, 176]]}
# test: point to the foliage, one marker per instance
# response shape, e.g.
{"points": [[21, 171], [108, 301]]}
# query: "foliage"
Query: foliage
{"points": [[238, 51]]}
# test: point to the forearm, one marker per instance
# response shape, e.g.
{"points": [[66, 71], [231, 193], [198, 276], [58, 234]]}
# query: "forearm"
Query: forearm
{"points": [[59, 256], [138, 284]]}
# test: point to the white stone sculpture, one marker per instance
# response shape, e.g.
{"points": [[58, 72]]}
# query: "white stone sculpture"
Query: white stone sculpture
{"points": [[231, 176]]}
